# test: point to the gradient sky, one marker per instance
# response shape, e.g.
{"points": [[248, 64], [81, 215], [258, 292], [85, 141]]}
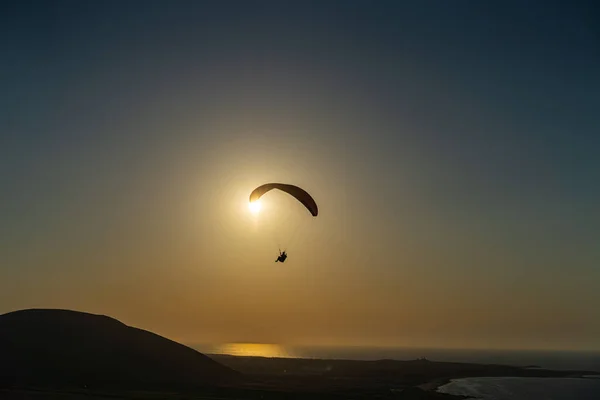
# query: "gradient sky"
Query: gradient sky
{"points": [[453, 148]]}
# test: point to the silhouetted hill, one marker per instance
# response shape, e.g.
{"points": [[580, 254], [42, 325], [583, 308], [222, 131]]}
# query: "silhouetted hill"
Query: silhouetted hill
{"points": [[61, 347]]}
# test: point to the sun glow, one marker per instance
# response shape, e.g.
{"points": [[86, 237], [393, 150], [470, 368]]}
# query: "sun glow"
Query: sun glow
{"points": [[254, 207], [254, 350]]}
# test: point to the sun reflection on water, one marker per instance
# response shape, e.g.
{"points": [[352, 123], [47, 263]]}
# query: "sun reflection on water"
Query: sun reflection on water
{"points": [[254, 350]]}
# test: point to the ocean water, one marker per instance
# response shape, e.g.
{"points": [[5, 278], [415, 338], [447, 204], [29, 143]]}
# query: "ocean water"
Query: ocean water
{"points": [[525, 388], [589, 361]]}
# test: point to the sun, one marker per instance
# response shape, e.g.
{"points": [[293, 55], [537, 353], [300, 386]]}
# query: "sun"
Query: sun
{"points": [[254, 207]]}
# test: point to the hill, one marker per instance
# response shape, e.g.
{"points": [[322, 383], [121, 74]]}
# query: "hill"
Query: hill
{"points": [[60, 347]]}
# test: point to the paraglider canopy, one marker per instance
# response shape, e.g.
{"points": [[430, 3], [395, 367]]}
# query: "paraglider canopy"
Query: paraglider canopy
{"points": [[300, 194]]}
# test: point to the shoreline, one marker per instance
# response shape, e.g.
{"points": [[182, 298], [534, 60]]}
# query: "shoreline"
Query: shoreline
{"points": [[434, 385], [408, 377]]}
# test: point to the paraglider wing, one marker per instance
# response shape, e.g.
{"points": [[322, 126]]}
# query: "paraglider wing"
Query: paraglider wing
{"points": [[300, 194]]}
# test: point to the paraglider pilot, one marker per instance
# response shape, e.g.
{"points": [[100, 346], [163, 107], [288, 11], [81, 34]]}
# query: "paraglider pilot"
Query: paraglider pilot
{"points": [[282, 256]]}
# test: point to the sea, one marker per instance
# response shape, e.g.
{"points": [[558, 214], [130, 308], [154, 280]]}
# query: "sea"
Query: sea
{"points": [[525, 388], [503, 388]]}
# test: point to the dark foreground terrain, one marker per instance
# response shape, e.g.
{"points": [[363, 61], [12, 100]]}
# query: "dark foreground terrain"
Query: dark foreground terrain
{"points": [[276, 378], [57, 354]]}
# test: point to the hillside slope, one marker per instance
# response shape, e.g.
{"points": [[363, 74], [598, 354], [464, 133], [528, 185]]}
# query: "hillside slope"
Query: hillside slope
{"points": [[61, 347]]}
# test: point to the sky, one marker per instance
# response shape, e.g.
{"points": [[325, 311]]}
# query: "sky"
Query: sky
{"points": [[452, 148]]}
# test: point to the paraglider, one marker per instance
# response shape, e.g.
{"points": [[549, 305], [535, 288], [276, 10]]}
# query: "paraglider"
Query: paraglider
{"points": [[298, 193], [282, 256]]}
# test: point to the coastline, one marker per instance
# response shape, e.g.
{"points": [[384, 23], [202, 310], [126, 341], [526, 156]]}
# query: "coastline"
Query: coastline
{"points": [[413, 379], [434, 385]]}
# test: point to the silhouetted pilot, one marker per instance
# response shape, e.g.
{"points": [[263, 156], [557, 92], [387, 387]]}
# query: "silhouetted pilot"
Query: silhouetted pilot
{"points": [[282, 257]]}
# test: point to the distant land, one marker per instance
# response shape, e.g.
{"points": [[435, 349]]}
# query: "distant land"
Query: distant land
{"points": [[48, 353]]}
